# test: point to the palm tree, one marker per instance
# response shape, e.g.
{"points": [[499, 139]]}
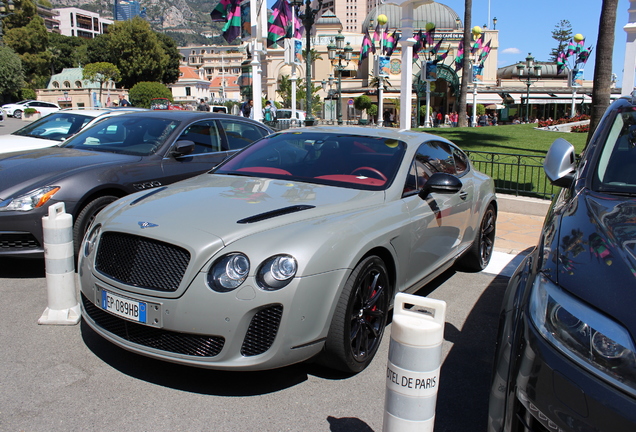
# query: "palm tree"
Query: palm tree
{"points": [[603, 67], [463, 90]]}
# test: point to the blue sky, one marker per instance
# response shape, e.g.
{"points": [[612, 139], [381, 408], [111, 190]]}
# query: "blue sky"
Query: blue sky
{"points": [[526, 27]]}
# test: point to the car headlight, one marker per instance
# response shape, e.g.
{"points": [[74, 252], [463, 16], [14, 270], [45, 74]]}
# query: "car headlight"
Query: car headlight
{"points": [[91, 240], [276, 272], [31, 200], [228, 272], [589, 338]]}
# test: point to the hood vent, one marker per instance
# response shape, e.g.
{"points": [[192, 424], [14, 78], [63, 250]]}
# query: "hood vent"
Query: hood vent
{"points": [[143, 197], [275, 213]]}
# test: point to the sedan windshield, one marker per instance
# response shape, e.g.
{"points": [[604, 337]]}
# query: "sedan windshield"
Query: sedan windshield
{"points": [[134, 135], [352, 161], [56, 126], [616, 169]]}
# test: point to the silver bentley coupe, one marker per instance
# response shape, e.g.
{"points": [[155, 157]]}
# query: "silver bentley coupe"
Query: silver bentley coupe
{"points": [[292, 249]]}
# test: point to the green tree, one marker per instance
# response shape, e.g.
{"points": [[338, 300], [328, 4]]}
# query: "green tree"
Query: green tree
{"points": [[171, 66], [301, 92], [562, 33], [143, 92], [67, 52], [137, 52], [285, 90], [99, 50], [11, 74], [101, 72], [362, 103], [25, 33], [603, 66]]}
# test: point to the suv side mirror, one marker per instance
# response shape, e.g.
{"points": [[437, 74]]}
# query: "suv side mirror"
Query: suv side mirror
{"points": [[183, 148], [440, 183], [560, 163]]}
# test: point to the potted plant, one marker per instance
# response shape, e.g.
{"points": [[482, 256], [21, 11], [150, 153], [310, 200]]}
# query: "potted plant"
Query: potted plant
{"points": [[30, 114]]}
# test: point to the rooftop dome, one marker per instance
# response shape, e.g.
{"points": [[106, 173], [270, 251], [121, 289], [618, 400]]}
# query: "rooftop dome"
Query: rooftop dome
{"points": [[441, 15]]}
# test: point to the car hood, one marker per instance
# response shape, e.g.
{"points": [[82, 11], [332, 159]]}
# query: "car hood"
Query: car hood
{"points": [[22, 171], [594, 253], [14, 143], [230, 207]]}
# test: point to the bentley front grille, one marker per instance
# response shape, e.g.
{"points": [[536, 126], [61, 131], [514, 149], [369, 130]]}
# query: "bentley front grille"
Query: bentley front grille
{"points": [[165, 340], [141, 261], [262, 331]]}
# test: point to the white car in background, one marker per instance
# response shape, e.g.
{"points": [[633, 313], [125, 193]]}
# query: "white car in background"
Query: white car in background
{"points": [[16, 109], [54, 128]]}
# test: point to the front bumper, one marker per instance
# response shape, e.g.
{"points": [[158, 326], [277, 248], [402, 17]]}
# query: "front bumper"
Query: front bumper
{"points": [[246, 329], [21, 233], [551, 393]]}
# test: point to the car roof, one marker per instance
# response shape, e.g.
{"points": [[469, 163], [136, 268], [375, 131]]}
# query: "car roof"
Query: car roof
{"points": [[96, 112], [189, 115]]}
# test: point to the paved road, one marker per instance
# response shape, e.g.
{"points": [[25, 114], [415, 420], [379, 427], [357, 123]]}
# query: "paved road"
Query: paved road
{"points": [[10, 125], [57, 378]]}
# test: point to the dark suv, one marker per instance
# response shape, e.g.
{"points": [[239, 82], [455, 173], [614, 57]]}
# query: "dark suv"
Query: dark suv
{"points": [[566, 358]]}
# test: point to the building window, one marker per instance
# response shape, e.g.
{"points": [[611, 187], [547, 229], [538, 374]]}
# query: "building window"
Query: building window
{"points": [[78, 84], [56, 84], [188, 91], [67, 84]]}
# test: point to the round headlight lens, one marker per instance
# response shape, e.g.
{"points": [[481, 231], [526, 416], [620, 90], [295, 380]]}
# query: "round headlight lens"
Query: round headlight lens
{"points": [[229, 272], [277, 272]]}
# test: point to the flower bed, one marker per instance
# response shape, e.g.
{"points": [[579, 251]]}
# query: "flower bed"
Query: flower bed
{"points": [[546, 123]]}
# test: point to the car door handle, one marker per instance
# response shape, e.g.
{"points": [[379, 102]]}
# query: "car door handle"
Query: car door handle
{"points": [[463, 195]]}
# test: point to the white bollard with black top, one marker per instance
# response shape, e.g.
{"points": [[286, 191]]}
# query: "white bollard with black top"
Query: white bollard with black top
{"points": [[415, 360], [63, 307]]}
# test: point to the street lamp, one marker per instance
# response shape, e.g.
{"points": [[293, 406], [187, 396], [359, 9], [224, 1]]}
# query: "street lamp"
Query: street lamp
{"points": [[533, 75], [3, 15], [494, 23], [308, 18], [338, 53]]}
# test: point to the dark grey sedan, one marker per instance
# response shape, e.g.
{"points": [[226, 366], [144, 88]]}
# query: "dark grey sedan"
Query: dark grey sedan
{"points": [[116, 157]]}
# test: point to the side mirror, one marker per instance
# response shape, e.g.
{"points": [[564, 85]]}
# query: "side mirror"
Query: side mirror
{"points": [[440, 183], [183, 148], [560, 163]]}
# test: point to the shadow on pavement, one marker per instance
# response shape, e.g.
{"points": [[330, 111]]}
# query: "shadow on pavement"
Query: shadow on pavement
{"points": [[347, 424], [21, 268], [462, 400]]}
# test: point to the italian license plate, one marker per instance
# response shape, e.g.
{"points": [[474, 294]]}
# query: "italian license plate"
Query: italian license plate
{"points": [[124, 307]]}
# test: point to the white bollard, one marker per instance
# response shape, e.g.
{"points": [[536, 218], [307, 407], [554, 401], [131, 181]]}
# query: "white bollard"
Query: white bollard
{"points": [[415, 360], [63, 307]]}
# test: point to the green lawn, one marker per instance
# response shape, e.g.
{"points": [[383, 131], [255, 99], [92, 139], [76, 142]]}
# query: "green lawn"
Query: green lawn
{"points": [[516, 139]]}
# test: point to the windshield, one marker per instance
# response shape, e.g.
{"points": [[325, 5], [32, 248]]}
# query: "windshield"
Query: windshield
{"points": [[352, 161], [616, 169], [56, 127], [134, 135]]}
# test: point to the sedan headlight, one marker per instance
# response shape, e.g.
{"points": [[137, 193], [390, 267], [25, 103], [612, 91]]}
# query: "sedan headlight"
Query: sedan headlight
{"points": [[228, 272], [91, 239], [276, 272], [589, 338], [31, 200]]}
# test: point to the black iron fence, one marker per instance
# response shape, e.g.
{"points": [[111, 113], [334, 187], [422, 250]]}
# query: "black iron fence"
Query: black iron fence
{"points": [[515, 174]]}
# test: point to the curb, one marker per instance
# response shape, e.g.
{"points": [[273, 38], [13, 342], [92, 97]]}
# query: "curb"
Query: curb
{"points": [[523, 205]]}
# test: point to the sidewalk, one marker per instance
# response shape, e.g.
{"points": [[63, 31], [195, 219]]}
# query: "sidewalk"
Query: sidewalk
{"points": [[516, 232]]}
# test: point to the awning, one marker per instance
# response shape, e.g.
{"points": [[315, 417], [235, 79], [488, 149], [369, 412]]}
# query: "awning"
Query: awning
{"points": [[550, 98]]}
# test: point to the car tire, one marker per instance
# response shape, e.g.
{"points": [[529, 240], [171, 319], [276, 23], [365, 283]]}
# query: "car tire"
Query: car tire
{"points": [[17, 114], [478, 256], [86, 217], [359, 319]]}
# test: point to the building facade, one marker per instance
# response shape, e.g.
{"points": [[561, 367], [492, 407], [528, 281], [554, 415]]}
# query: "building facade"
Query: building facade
{"points": [[81, 23]]}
